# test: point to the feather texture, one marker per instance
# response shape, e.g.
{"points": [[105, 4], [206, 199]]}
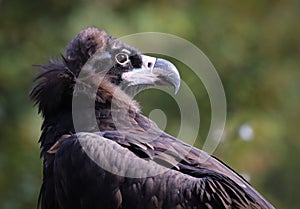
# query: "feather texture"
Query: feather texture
{"points": [[124, 160]]}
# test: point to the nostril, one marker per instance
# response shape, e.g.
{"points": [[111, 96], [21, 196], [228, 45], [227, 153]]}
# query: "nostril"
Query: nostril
{"points": [[150, 64]]}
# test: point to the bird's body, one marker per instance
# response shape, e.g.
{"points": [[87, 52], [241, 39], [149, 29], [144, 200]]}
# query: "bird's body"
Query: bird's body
{"points": [[123, 160]]}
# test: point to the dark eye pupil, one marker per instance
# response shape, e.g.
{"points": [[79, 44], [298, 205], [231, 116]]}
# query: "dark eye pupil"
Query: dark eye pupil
{"points": [[121, 58]]}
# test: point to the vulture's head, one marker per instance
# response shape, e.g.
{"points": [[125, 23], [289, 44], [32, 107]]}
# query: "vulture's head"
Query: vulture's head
{"points": [[95, 58]]}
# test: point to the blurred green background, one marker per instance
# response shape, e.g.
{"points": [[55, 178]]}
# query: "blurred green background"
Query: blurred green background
{"points": [[254, 45]]}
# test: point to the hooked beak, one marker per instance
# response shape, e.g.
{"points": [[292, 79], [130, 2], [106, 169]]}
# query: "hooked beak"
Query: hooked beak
{"points": [[154, 71]]}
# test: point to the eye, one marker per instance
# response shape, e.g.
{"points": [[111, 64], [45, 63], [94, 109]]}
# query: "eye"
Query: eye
{"points": [[122, 58]]}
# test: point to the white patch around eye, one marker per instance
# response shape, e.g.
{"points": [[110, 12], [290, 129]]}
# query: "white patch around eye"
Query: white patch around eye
{"points": [[121, 60]]}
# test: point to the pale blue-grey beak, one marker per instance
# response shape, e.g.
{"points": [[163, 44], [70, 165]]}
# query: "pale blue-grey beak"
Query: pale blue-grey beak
{"points": [[154, 71]]}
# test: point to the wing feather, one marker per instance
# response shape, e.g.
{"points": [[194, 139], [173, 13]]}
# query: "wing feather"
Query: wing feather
{"points": [[105, 160], [226, 185]]}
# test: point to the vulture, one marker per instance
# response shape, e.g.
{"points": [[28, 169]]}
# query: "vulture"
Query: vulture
{"points": [[111, 156]]}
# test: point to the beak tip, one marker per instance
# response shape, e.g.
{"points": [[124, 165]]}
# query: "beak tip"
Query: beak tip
{"points": [[177, 86], [176, 90], [176, 80]]}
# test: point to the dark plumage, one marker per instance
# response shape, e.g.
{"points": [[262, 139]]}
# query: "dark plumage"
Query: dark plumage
{"points": [[107, 165]]}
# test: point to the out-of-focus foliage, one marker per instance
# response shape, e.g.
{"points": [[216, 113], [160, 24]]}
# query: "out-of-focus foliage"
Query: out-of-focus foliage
{"points": [[254, 45]]}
